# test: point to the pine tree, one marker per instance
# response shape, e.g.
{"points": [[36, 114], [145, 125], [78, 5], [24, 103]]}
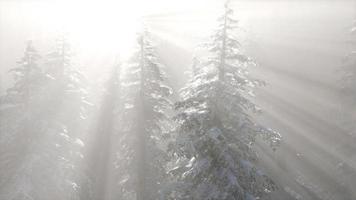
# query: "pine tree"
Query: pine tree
{"points": [[18, 113], [48, 142], [27, 78], [104, 137], [216, 133], [66, 110], [23, 94], [141, 157]]}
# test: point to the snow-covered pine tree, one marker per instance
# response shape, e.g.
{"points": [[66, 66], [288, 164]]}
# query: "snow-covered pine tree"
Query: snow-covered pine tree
{"points": [[27, 76], [17, 124], [66, 110], [47, 141], [104, 137], [215, 130], [19, 98], [141, 157]]}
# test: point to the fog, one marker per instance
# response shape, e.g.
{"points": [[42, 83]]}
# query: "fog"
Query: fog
{"points": [[101, 135]]}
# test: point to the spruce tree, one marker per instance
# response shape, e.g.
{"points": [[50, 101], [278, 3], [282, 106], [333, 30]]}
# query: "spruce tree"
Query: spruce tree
{"points": [[216, 131], [20, 99], [66, 110], [104, 138], [18, 123], [141, 156], [27, 76], [47, 141]]}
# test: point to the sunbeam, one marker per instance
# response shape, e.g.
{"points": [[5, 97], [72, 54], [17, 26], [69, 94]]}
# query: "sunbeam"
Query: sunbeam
{"points": [[177, 99]]}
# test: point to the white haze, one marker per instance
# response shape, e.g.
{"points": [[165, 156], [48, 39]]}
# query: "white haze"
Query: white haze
{"points": [[299, 46]]}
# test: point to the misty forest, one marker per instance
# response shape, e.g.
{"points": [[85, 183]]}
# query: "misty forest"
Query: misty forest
{"points": [[177, 100]]}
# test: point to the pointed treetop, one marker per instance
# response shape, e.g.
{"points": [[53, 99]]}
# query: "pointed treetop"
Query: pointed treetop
{"points": [[29, 45], [30, 52], [227, 6], [227, 3]]}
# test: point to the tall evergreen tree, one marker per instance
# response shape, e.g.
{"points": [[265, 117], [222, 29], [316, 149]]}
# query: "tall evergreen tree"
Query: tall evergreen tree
{"points": [[27, 78], [47, 140], [17, 111], [141, 157], [101, 150], [19, 98], [215, 130], [66, 110]]}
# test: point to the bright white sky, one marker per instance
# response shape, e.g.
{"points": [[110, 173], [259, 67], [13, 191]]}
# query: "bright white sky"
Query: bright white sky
{"points": [[101, 30], [109, 25]]}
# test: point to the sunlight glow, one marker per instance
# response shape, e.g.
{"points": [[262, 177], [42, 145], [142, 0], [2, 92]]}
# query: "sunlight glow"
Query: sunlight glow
{"points": [[95, 25], [108, 25]]}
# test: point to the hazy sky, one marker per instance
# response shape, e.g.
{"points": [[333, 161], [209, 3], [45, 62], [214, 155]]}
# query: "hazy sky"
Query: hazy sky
{"points": [[102, 29], [298, 44]]}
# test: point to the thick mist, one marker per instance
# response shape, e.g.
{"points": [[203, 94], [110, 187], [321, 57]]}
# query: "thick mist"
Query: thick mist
{"points": [[148, 100]]}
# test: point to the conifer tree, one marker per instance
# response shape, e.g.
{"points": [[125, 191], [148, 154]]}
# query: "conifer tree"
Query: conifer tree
{"points": [[27, 78], [216, 131], [47, 141], [66, 110], [22, 96], [141, 156], [17, 122], [104, 138]]}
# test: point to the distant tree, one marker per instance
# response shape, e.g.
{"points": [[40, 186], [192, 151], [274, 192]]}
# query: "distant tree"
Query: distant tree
{"points": [[27, 78], [17, 108], [25, 90], [46, 142], [141, 155], [65, 111], [104, 137], [216, 133]]}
